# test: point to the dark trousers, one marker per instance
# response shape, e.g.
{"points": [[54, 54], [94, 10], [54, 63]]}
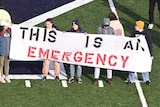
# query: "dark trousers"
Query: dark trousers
{"points": [[151, 9], [1, 4]]}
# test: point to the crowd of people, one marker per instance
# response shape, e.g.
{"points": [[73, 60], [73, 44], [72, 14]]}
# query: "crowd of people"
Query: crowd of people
{"points": [[110, 26]]}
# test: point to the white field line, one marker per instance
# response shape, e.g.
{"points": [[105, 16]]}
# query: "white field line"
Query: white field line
{"points": [[64, 83], [27, 83], [113, 9], [141, 95], [137, 83], [55, 12], [140, 91], [63, 76], [100, 83]]}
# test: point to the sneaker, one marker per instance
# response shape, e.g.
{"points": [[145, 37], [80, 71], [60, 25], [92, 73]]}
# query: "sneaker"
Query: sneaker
{"points": [[95, 82], [109, 81], [2, 80], [7, 80], [57, 78], [44, 78], [148, 82], [71, 80], [150, 26], [79, 80], [129, 82]]}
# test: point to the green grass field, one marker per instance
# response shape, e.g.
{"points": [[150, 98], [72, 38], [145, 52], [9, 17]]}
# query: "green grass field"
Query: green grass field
{"points": [[50, 93]]}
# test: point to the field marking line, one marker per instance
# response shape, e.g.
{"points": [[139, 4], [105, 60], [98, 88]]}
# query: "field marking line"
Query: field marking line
{"points": [[140, 92], [55, 12], [51, 75], [64, 83], [137, 83], [27, 83], [100, 83], [112, 7], [141, 95]]}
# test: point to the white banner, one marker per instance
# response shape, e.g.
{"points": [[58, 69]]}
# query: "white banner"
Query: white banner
{"points": [[95, 50]]}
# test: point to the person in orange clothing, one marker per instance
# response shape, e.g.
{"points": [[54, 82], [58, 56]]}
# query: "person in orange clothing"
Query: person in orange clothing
{"points": [[50, 25]]}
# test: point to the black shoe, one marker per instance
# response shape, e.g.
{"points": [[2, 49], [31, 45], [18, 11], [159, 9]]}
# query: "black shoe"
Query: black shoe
{"points": [[71, 80], [148, 82], [57, 78], [109, 81], [95, 82], [44, 78], [129, 82]]}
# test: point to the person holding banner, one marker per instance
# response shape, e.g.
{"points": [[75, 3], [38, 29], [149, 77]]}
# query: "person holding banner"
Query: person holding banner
{"points": [[116, 24], [139, 30], [50, 25], [5, 39], [104, 29], [75, 28]]}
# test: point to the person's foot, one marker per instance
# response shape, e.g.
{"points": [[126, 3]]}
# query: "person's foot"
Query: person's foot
{"points": [[2, 80], [110, 81], [129, 82], [148, 82], [95, 82], [79, 80], [7, 79], [150, 26], [57, 78], [71, 80], [44, 78]]}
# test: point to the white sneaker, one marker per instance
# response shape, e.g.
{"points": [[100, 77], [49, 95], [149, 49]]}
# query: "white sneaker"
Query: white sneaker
{"points": [[71, 80], [150, 26], [79, 80], [7, 80], [2, 80]]}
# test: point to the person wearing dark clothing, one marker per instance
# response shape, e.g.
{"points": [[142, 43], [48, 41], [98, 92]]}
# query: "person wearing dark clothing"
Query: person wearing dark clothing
{"points": [[77, 29], [139, 30], [151, 12]]}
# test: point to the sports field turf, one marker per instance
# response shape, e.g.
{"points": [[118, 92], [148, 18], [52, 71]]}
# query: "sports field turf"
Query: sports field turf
{"points": [[50, 93]]}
